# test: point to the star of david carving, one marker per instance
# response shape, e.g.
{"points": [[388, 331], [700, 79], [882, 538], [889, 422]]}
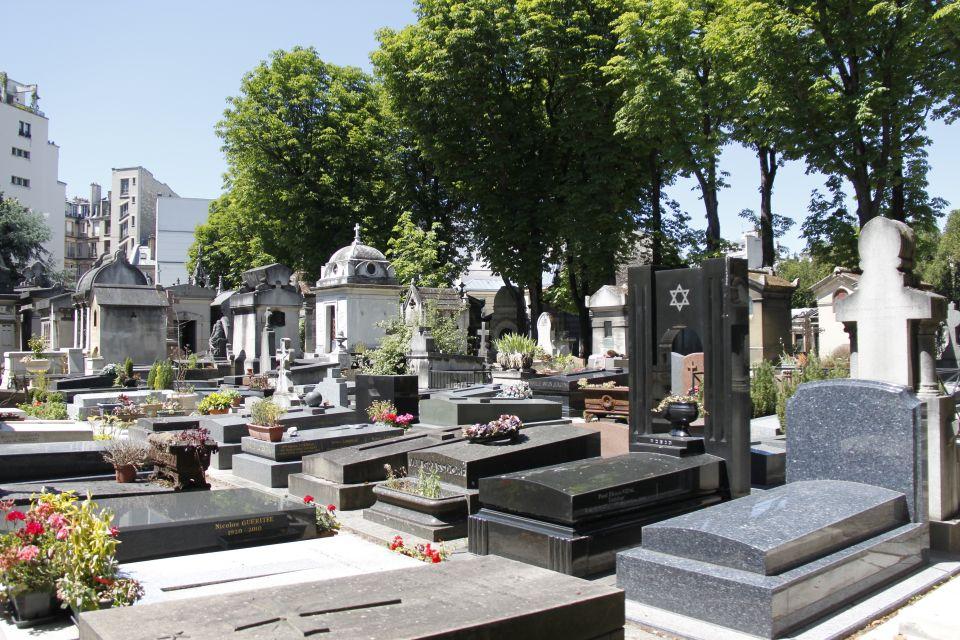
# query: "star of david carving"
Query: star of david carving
{"points": [[679, 298]]}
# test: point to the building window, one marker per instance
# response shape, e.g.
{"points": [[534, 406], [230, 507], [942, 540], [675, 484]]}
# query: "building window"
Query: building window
{"points": [[607, 329], [134, 182], [124, 209], [133, 199], [123, 230], [20, 153], [25, 129], [124, 186], [20, 182], [106, 246]]}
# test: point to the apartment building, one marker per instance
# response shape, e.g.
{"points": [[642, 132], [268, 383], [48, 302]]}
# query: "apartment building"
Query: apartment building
{"points": [[133, 212], [83, 227], [29, 161], [177, 220]]}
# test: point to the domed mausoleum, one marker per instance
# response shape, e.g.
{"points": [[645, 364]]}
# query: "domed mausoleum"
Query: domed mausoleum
{"points": [[357, 289]]}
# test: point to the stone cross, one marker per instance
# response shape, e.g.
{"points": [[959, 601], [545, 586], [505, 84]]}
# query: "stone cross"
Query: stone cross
{"points": [[356, 233], [283, 355], [483, 333], [892, 323]]}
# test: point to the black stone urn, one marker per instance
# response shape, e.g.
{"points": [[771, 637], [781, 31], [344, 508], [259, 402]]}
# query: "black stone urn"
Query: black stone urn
{"points": [[313, 399], [680, 415]]}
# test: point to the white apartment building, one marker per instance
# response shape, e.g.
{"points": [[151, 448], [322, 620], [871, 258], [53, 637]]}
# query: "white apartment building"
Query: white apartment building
{"points": [[177, 219], [133, 212], [29, 162]]}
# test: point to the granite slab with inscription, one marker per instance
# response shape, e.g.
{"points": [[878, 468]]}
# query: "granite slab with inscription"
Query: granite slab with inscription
{"points": [[463, 463], [850, 519], [574, 517], [528, 602], [159, 526], [565, 389]]}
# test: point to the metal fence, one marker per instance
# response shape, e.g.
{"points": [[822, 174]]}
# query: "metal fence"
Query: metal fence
{"points": [[457, 379]]}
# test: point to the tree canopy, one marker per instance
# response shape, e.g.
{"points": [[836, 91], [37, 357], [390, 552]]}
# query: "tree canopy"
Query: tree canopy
{"points": [[22, 234]]}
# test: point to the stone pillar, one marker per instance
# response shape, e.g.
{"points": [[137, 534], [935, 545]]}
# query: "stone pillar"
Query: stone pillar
{"points": [[76, 328], [928, 386]]}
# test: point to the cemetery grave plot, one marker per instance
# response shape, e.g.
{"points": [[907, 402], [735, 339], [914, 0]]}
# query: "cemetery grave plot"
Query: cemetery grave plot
{"points": [[575, 517]]}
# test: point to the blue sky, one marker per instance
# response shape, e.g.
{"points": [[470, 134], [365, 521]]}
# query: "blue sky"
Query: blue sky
{"points": [[144, 83]]}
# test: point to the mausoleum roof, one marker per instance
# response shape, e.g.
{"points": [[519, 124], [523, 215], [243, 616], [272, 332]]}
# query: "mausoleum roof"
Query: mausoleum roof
{"points": [[111, 270], [357, 264]]}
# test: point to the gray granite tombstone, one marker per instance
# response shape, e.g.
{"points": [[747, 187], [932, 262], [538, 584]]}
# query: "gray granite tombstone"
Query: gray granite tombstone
{"points": [[710, 301], [402, 391], [851, 518], [527, 602], [21, 462], [565, 389], [451, 411]]}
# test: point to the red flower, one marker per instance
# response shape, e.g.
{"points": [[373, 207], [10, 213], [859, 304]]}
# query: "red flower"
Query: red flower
{"points": [[16, 515], [331, 508], [105, 581], [389, 417], [34, 528], [6, 505], [114, 532], [308, 499], [396, 544], [435, 558]]}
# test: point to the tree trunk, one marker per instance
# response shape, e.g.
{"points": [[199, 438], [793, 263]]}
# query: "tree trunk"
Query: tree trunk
{"points": [[536, 304], [708, 188], [768, 172], [656, 211], [578, 291]]}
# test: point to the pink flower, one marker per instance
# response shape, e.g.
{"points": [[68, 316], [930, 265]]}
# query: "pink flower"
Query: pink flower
{"points": [[16, 515], [57, 520], [307, 499], [63, 533], [6, 505], [28, 553], [114, 532]]}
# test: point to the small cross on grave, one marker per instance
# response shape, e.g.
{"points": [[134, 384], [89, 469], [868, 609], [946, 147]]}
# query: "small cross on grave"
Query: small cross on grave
{"points": [[483, 333], [889, 319]]}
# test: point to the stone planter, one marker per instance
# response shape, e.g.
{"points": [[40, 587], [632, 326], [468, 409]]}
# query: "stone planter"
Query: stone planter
{"points": [[150, 409], [187, 400], [183, 465], [36, 365], [170, 413], [34, 607], [443, 518], [599, 402], [680, 415], [270, 434], [217, 412], [125, 473]]}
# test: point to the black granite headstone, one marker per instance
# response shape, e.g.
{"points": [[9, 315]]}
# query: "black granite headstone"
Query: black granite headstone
{"points": [[712, 301], [402, 391]]}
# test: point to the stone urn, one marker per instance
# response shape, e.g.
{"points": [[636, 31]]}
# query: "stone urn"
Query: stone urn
{"points": [[125, 473], [313, 399], [36, 365], [680, 415]]}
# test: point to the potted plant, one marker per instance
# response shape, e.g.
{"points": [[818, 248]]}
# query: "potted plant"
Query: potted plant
{"points": [[680, 411], [264, 420], [170, 408], [127, 410], [384, 413], [327, 523], [35, 362], [182, 457], [215, 403], [515, 351], [161, 376], [151, 405], [505, 427], [236, 400], [126, 457], [28, 568]]}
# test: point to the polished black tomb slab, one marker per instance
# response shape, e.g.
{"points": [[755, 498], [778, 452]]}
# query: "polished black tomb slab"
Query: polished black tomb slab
{"points": [[574, 517], [565, 387], [174, 524], [22, 462]]}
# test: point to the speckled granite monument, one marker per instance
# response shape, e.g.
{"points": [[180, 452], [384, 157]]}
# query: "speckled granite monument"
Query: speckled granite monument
{"points": [[851, 518]]}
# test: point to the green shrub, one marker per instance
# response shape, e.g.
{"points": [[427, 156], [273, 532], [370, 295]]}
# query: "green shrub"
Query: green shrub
{"points": [[763, 390], [811, 370], [215, 400], [192, 362], [163, 377], [266, 413], [515, 351], [152, 375], [390, 358]]}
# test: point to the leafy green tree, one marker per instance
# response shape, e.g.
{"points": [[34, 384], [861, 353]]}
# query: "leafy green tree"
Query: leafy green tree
{"points": [[673, 91], [938, 257], [225, 245], [858, 80], [830, 229], [305, 147], [415, 254], [22, 234], [809, 272], [509, 101]]}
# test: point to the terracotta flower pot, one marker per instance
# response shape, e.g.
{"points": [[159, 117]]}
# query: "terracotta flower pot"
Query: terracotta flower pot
{"points": [[236, 402], [270, 434], [217, 412], [126, 473]]}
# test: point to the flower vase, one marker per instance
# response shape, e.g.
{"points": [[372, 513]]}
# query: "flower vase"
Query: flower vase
{"points": [[680, 415]]}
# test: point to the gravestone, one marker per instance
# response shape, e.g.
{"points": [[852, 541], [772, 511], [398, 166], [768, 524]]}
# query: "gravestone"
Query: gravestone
{"points": [[459, 465], [21, 462], [402, 391], [691, 371], [527, 603], [893, 325], [450, 411], [38, 431], [575, 517], [711, 302], [270, 463], [345, 477], [565, 388], [851, 518], [545, 333], [160, 526]]}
